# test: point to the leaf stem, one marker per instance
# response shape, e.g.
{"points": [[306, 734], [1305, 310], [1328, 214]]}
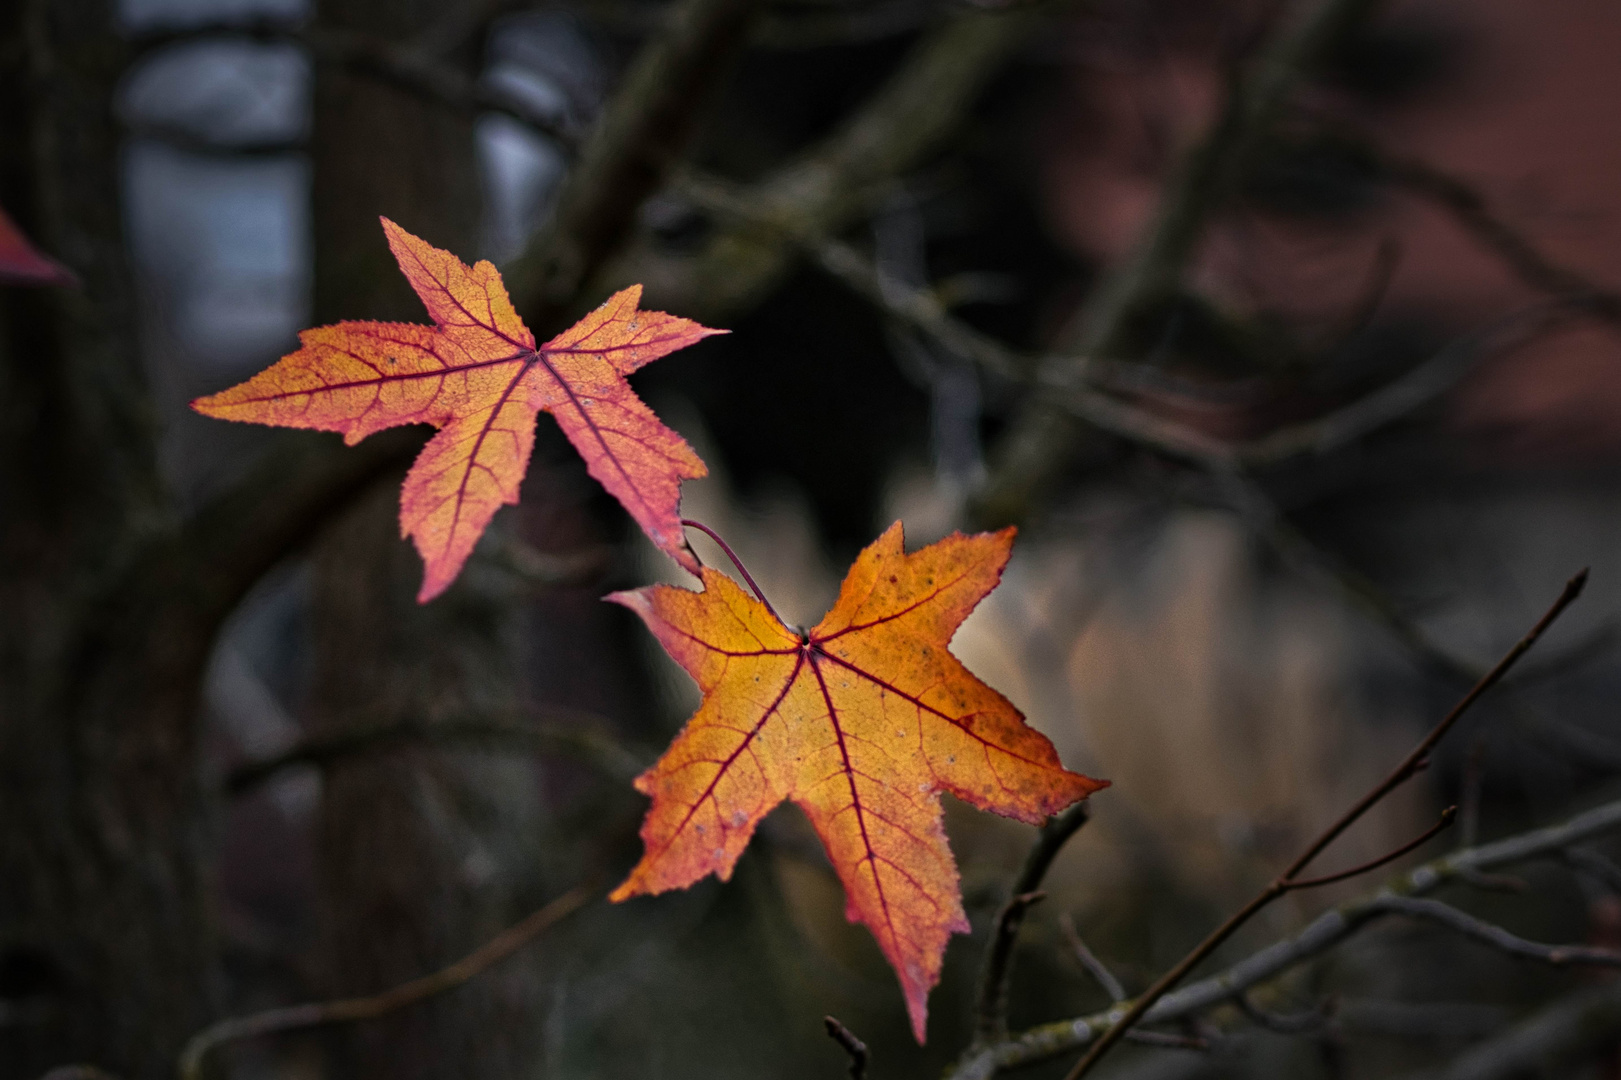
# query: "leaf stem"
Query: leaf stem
{"points": [[732, 555]]}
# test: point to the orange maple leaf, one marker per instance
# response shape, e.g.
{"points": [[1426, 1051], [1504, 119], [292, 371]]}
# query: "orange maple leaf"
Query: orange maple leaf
{"points": [[478, 376], [862, 721]]}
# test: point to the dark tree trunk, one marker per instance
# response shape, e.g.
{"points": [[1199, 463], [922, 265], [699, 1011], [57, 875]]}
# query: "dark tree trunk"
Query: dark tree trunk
{"points": [[103, 921], [413, 871]]}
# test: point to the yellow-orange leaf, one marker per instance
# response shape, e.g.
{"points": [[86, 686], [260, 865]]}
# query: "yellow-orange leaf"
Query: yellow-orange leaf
{"points": [[862, 722], [479, 377]]}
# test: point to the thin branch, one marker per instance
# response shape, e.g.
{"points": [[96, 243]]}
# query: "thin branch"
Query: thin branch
{"points": [[1405, 770], [996, 969], [1040, 437], [1089, 960], [1079, 386], [1226, 461], [1049, 842], [348, 1010], [1266, 519], [184, 138], [1450, 917], [1447, 817], [428, 77], [636, 142], [410, 68], [1321, 934], [1310, 1021], [1406, 394], [852, 1046], [997, 976], [1471, 210], [584, 736], [1420, 753], [841, 179]]}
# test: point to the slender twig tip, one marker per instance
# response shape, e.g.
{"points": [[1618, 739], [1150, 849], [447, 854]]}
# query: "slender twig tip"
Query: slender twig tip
{"points": [[852, 1046]]}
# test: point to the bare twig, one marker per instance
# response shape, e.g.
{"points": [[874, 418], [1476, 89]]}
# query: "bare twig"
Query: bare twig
{"points": [[1447, 817], [1089, 960], [996, 969], [347, 1010], [1408, 767], [1469, 207], [852, 1046], [584, 736], [1495, 936], [1040, 436], [838, 181], [1077, 387], [636, 142], [1321, 934], [182, 137], [1312, 1020], [411, 68], [1403, 396]]}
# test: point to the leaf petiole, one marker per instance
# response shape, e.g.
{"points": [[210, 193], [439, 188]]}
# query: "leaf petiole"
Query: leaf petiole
{"points": [[732, 555]]}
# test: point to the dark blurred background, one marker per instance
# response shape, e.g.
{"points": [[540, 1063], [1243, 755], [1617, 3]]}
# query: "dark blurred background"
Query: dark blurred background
{"points": [[240, 768]]}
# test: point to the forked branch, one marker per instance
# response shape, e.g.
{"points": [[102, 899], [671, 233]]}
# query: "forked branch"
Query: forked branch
{"points": [[1284, 882], [1317, 937], [996, 969], [1040, 436]]}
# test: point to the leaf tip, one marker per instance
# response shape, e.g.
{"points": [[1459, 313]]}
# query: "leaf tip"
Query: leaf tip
{"points": [[917, 1010], [634, 599], [432, 585]]}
